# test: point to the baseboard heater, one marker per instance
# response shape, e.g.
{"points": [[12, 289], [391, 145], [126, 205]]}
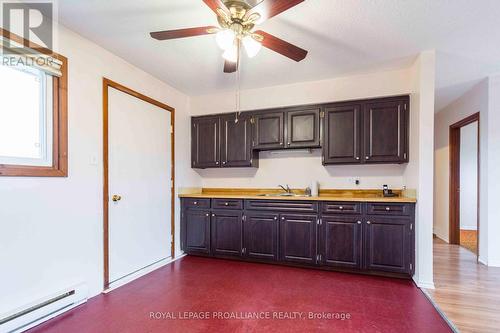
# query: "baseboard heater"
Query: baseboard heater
{"points": [[44, 309]]}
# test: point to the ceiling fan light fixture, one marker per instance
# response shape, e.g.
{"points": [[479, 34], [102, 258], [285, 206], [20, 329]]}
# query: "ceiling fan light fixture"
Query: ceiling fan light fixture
{"points": [[225, 39], [231, 54], [252, 47]]}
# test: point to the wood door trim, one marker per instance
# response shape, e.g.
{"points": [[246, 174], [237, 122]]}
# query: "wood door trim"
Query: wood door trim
{"points": [[454, 208], [105, 107]]}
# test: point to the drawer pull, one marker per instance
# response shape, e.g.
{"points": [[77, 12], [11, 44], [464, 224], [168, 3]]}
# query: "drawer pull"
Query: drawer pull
{"points": [[226, 204], [195, 202], [283, 218], [213, 215], [275, 218], [387, 208], [341, 207], [368, 222], [359, 222], [207, 214]]}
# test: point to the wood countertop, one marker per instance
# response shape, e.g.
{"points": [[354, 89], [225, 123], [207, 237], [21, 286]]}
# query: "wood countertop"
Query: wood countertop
{"points": [[325, 195]]}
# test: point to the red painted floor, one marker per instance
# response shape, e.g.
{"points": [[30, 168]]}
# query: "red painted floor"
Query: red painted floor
{"points": [[279, 299]]}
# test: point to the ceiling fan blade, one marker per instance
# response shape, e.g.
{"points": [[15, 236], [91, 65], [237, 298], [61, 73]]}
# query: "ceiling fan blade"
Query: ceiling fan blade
{"points": [[182, 33], [216, 4], [230, 67], [282, 47], [269, 8]]}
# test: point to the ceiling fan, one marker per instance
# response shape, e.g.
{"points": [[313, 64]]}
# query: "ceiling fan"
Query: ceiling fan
{"points": [[237, 20]]}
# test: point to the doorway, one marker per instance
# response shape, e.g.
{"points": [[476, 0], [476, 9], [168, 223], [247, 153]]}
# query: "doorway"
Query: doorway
{"points": [[138, 191], [464, 183]]}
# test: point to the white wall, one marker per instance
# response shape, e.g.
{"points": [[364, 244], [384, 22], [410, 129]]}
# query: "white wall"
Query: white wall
{"points": [[475, 100], [299, 170], [419, 171], [52, 232], [468, 176]]}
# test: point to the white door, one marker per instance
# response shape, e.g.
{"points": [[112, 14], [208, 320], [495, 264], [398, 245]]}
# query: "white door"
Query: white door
{"points": [[139, 172]]}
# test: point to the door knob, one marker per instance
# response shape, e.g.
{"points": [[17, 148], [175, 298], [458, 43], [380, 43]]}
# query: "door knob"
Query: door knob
{"points": [[116, 198]]}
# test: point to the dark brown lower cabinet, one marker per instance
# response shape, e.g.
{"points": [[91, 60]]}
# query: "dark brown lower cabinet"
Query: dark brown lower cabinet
{"points": [[375, 238], [197, 234], [341, 241], [260, 236], [226, 232], [298, 238], [388, 244]]}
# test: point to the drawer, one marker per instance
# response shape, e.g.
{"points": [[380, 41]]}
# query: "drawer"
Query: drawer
{"points": [[282, 206], [196, 203], [227, 204], [389, 209], [341, 207]]}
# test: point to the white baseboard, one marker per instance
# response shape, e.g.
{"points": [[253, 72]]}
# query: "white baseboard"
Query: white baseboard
{"points": [[424, 284], [482, 261], [146, 270], [493, 263]]}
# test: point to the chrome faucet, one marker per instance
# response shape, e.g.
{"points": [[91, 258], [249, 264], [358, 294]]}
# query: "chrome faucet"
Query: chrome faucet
{"points": [[286, 189]]}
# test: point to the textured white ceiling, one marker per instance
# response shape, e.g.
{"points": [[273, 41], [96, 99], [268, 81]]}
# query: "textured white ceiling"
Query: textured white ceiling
{"points": [[343, 37]]}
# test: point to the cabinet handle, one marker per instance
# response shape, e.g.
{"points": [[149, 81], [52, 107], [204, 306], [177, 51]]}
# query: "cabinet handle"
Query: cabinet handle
{"points": [[367, 157], [289, 143], [224, 162], [213, 215], [208, 215], [387, 208], [368, 222], [357, 158], [341, 207], [226, 204], [359, 222], [275, 218], [217, 162], [283, 218], [281, 143], [195, 203]]}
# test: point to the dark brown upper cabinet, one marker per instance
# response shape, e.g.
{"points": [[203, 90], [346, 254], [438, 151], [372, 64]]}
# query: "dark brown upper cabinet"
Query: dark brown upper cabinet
{"points": [[269, 130], [221, 141], [368, 131], [303, 128], [385, 129], [236, 142], [205, 142], [342, 134]]}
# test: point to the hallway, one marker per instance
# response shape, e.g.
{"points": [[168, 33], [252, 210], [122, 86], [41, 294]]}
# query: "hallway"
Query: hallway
{"points": [[467, 292]]}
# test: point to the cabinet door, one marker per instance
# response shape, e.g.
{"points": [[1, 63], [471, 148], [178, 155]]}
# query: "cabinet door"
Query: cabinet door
{"points": [[205, 149], [298, 238], [388, 244], [197, 234], [226, 233], [269, 130], [303, 128], [385, 131], [341, 241], [236, 142], [342, 134], [260, 236]]}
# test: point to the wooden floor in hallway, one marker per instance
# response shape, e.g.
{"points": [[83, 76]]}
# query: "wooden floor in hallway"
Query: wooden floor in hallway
{"points": [[467, 292]]}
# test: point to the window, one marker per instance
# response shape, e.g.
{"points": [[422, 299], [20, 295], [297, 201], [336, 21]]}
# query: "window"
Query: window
{"points": [[33, 120]]}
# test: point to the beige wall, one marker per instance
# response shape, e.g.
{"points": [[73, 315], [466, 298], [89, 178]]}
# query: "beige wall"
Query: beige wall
{"points": [[52, 231], [475, 100], [299, 170]]}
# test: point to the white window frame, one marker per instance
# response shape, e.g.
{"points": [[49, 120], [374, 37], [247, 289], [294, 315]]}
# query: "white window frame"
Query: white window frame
{"points": [[46, 122]]}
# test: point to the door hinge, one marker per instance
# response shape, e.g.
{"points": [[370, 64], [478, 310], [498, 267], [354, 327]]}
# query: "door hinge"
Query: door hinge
{"points": [[243, 250], [404, 156], [252, 120], [411, 226], [319, 221], [318, 257], [244, 218], [322, 114], [405, 107], [411, 267]]}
